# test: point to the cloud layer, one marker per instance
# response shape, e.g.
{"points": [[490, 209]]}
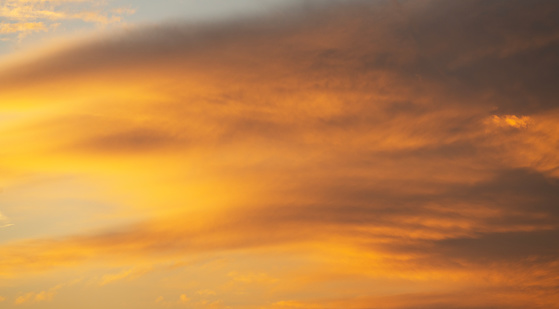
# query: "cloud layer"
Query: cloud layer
{"points": [[393, 154]]}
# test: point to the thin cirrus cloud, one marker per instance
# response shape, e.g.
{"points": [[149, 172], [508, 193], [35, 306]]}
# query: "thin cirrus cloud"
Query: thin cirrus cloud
{"points": [[21, 18], [391, 154]]}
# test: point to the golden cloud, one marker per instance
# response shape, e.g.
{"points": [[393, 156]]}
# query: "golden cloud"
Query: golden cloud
{"points": [[366, 144], [21, 27], [32, 297], [26, 16]]}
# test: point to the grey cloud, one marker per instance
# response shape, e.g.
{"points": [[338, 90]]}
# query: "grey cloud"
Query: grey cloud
{"points": [[384, 62], [137, 140], [507, 55]]}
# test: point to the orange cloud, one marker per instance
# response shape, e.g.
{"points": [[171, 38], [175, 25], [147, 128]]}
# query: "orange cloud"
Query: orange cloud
{"points": [[21, 27], [126, 274], [385, 153], [32, 297], [184, 299], [511, 121]]}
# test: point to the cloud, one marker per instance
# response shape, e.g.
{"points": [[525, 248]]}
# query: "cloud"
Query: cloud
{"points": [[184, 299], [411, 141], [260, 278], [511, 121], [21, 27], [33, 297], [31, 16], [125, 274], [4, 221], [471, 299], [206, 292]]}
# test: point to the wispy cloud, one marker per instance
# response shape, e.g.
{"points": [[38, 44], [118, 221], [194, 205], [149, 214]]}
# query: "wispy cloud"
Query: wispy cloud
{"points": [[37, 297], [23, 17], [4, 221], [125, 274], [21, 27]]}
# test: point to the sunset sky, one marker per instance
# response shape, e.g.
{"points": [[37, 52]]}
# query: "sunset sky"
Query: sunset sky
{"points": [[278, 154]]}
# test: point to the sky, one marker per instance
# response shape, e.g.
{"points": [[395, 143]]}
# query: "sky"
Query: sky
{"points": [[382, 154]]}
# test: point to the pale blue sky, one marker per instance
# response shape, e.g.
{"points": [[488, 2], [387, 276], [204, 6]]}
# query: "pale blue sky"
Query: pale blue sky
{"points": [[26, 24]]}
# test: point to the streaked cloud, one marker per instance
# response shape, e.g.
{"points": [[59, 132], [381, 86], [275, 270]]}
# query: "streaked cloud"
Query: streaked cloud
{"points": [[4, 221], [21, 27], [391, 154], [128, 274], [38, 297], [511, 121], [26, 16]]}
